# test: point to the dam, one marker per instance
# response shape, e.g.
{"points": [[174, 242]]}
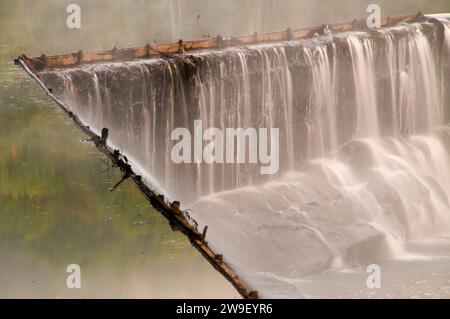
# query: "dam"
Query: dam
{"points": [[364, 145]]}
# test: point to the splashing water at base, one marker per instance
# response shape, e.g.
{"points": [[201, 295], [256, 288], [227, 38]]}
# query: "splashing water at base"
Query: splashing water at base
{"points": [[339, 212]]}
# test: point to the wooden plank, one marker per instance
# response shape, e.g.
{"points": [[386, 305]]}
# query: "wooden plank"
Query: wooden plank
{"points": [[70, 60], [200, 44], [305, 32]]}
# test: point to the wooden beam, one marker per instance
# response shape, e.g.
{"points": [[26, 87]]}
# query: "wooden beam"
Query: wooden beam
{"points": [[185, 47]]}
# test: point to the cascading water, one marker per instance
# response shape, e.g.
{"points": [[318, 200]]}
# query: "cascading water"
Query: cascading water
{"points": [[361, 52], [447, 37], [321, 116], [364, 145]]}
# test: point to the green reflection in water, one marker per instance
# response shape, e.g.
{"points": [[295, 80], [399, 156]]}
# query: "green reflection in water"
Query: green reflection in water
{"points": [[56, 208]]}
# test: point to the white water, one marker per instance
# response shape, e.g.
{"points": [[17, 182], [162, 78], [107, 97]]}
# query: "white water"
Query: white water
{"points": [[365, 147], [363, 75], [365, 209], [363, 204], [321, 116], [447, 37]]}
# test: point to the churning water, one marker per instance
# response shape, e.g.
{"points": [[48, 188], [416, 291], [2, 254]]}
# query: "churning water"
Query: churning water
{"points": [[364, 147]]}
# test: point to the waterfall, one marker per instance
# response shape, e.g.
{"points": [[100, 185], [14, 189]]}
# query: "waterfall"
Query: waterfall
{"points": [[361, 52], [321, 113], [447, 37], [364, 144]]}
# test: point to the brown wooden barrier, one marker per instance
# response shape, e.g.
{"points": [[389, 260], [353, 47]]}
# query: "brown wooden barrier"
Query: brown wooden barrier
{"points": [[147, 51]]}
